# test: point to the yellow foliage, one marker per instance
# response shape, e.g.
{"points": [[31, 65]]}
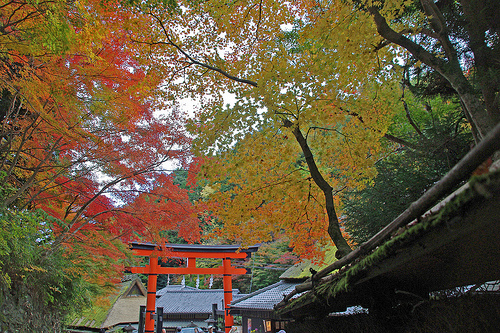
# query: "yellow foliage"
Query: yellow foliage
{"points": [[33, 268], [315, 65]]}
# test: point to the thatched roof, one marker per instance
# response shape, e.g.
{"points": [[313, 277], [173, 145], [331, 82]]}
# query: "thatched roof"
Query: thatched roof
{"points": [[121, 307], [456, 244], [302, 270], [423, 249]]}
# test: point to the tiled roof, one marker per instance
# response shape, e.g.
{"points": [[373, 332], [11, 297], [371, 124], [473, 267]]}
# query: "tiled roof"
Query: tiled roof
{"points": [[265, 298], [184, 323], [174, 287], [192, 301]]}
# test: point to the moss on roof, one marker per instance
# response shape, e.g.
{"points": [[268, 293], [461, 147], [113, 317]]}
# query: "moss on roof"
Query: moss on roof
{"points": [[477, 190], [301, 270], [95, 316]]}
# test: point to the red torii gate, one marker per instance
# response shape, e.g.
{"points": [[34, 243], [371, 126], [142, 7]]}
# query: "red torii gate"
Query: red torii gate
{"points": [[191, 252]]}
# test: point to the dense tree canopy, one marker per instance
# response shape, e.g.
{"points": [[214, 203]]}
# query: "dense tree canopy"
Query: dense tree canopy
{"points": [[82, 141], [80, 108], [303, 99], [91, 93], [439, 138], [316, 86]]}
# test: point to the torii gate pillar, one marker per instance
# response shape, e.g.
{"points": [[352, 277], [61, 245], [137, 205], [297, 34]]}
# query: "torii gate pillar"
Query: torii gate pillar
{"points": [[191, 252], [151, 297], [228, 293]]}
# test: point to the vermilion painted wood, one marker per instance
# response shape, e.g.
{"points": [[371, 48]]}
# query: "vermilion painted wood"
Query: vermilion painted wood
{"points": [[191, 252], [178, 254], [189, 270]]}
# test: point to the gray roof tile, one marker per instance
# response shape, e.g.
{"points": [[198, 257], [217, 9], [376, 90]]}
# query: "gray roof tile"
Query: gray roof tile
{"points": [[192, 301], [174, 287], [265, 298]]}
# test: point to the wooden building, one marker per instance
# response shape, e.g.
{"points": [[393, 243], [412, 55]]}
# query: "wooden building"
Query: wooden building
{"points": [[257, 308], [188, 306]]}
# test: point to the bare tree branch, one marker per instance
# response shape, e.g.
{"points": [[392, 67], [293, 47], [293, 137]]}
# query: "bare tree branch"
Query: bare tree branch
{"points": [[196, 62]]}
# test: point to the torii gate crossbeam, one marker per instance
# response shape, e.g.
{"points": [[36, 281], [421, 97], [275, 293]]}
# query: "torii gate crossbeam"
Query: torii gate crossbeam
{"points": [[191, 252]]}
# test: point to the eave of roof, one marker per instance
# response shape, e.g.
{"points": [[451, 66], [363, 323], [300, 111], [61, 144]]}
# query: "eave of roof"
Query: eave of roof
{"points": [[192, 301], [265, 298], [196, 247], [469, 220]]}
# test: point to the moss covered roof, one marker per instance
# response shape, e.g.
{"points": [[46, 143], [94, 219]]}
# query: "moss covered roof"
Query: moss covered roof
{"points": [[100, 312], [302, 269], [480, 188]]}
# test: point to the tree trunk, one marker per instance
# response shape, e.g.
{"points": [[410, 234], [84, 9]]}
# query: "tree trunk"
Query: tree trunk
{"points": [[449, 69], [478, 15], [333, 223]]}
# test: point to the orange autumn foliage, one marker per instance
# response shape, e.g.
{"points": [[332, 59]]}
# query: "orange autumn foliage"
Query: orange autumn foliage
{"points": [[80, 138]]}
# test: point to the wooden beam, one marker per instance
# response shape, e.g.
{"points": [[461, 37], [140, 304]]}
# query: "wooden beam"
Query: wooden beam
{"points": [[189, 270], [191, 254]]}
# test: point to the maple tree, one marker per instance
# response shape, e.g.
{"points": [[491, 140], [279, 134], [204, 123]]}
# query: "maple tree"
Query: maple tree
{"points": [[307, 76], [174, 44], [83, 106], [81, 139], [296, 90]]}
